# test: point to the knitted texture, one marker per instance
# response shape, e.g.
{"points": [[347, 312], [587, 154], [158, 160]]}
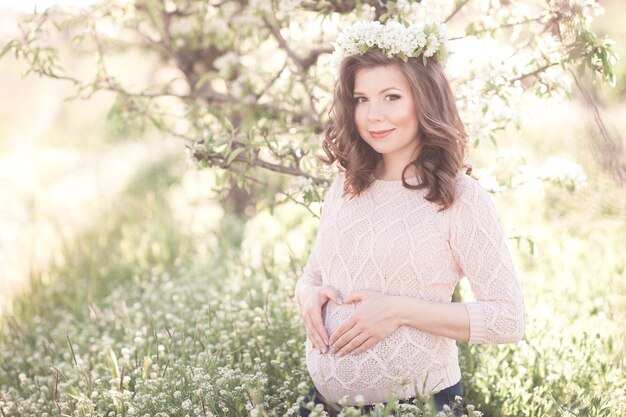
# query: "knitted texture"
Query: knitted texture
{"points": [[392, 240]]}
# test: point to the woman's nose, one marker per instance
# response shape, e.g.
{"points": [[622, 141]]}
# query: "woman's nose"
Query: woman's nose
{"points": [[375, 112]]}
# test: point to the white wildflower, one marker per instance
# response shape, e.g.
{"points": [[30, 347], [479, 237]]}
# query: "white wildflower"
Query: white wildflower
{"points": [[343, 400], [303, 388]]}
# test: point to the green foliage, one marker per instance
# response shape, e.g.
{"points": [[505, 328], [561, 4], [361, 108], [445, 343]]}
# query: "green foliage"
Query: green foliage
{"points": [[272, 112], [547, 374], [141, 318], [599, 57]]}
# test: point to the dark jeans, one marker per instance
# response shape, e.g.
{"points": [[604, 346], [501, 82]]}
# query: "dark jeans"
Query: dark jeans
{"points": [[445, 396]]}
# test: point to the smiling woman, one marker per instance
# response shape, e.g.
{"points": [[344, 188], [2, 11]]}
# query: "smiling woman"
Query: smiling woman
{"points": [[375, 93], [401, 224], [387, 119]]}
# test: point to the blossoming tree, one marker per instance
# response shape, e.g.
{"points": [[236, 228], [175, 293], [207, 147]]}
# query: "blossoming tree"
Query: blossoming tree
{"points": [[249, 85]]}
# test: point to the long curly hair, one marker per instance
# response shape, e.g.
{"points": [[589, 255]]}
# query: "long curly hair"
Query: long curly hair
{"points": [[440, 130]]}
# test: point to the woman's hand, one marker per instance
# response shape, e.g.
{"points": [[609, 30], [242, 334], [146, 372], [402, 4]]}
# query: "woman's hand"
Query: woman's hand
{"points": [[312, 298], [370, 323]]}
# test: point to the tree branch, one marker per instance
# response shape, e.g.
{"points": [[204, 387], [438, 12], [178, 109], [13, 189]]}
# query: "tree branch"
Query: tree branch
{"points": [[614, 145], [456, 10], [535, 72], [297, 60], [506, 25]]}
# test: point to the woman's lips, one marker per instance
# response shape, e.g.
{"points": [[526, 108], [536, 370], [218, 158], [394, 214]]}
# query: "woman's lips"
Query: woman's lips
{"points": [[379, 134]]}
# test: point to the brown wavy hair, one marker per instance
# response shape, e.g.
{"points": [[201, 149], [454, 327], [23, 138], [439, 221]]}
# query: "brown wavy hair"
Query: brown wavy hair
{"points": [[440, 130]]}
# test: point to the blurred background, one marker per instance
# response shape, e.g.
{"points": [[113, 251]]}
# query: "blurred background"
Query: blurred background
{"points": [[90, 205]]}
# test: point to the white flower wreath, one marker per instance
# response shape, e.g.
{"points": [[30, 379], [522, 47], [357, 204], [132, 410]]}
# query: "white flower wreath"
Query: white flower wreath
{"points": [[394, 39]]}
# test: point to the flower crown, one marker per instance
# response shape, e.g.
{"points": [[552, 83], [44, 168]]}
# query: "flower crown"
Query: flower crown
{"points": [[394, 39]]}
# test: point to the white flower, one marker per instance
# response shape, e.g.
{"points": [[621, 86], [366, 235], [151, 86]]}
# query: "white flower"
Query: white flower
{"points": [[490, 183], [359, 399], [303, 388], [305, 184], [343, 400], [564, 172], [393, 39], [432, 44]]}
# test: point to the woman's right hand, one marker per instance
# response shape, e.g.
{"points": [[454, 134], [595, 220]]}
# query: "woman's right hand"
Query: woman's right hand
{"points": [[312, 298]]}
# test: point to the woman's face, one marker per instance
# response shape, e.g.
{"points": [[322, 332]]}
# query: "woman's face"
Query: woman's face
{"points": [[385, 113]]}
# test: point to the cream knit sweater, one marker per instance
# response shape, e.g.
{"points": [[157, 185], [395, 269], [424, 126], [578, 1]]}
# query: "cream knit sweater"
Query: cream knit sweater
{"points": [[392, 240]]}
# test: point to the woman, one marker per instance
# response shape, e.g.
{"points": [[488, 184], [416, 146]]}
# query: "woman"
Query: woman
{"points": [[401, 224]]}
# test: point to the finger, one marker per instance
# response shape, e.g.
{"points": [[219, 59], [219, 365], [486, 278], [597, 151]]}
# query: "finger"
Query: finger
{"points": [[320, 330], [316, 329], [353, 344], [333, 294], [310, 330], [347, 336], [342, 329], [355, 296], [364, 346], [313, 333]]}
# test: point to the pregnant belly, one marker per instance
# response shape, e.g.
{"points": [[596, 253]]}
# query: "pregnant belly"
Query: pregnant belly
{"points": [[350, 369], [334, 315], [394, 360]]}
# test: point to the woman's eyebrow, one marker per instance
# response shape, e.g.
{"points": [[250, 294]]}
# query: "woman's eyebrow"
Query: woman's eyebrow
{"points": [[381, 91]]}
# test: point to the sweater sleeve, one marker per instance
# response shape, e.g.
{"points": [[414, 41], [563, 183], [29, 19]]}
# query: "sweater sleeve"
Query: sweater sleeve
{"points": [[312, 272], [478, 244]]}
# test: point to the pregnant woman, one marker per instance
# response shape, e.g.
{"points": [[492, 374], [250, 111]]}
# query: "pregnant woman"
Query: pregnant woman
{"points": [[401, 224]]}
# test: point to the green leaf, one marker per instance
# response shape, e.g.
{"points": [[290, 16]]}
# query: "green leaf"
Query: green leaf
{"points": [[470, 29], [234, 154], [227, 123], [145, 369], [116, 367], [7, 48], [76, 397]]}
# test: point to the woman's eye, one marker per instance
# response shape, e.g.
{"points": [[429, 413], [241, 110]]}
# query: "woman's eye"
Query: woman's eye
{"points": [[390, 97]]}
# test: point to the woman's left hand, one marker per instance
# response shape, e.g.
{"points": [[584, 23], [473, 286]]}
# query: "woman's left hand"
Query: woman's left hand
{"points": [[370, 323]]}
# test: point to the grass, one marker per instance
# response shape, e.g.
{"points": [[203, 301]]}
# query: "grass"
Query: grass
{"points": [[136, 320], [159, 309]]}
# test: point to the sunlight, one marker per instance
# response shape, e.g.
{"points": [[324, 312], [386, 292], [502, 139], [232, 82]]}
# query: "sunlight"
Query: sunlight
{"points": [[29, 5]]}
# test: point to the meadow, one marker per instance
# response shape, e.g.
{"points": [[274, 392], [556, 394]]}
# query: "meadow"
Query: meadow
{"points": [[132, 292], [155, 310]]}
